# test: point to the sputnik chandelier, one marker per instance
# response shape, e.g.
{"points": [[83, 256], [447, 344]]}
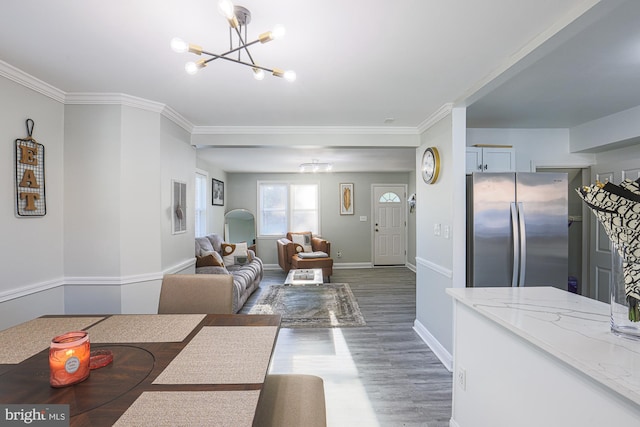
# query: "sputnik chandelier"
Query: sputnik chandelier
{"points": [[238, 18]]}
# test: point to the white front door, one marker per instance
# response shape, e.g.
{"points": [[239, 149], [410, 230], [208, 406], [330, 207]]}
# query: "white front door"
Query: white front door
{"points": [[389, 231]]}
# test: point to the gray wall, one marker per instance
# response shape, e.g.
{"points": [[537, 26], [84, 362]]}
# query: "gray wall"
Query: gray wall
{"points": [[347, 233]]}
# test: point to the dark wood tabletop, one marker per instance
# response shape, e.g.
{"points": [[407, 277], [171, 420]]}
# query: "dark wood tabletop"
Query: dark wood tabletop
{"points": [[110, 391]]}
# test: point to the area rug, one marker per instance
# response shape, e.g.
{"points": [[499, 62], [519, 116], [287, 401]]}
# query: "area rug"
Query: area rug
{"points": [[331, 305]]}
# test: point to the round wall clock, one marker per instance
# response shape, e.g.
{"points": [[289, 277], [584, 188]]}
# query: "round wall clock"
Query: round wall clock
{"points": [[430, 165]]}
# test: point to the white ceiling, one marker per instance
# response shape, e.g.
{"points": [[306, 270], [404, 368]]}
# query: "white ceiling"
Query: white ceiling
{"points": [[358, 63]]}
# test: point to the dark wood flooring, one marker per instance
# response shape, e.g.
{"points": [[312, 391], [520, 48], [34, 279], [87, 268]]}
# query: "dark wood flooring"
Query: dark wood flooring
{"points": [[381, 374]]}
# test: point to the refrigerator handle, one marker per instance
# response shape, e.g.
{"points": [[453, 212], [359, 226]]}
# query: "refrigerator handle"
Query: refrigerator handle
{"points": [[516, 244], [523, 244]]}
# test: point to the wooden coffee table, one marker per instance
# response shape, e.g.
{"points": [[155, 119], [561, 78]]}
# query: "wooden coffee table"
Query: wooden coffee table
{"points": [[307, 276]]}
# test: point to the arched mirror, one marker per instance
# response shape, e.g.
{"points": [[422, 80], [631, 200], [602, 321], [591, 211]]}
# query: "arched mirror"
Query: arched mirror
{"points": [[240, 226]]}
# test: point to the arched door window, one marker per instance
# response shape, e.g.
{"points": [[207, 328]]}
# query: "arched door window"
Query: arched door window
{"points": [[389, 198]]}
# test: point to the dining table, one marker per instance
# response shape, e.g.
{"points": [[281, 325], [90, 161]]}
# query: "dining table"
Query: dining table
{"points": [[167, 369]]}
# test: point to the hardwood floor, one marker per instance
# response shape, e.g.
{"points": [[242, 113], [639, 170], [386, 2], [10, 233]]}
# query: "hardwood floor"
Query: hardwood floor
{"points": [[381, 374]]}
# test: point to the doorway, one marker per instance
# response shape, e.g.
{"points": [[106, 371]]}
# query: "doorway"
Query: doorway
{"points": [[389, 224]]}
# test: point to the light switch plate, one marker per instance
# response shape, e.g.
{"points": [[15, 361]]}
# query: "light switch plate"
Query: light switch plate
{"points": [[363, 218]]}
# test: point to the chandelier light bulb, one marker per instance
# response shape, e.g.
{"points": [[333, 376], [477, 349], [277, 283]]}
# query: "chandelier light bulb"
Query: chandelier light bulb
{"points": [[226, 8], [278, 32], [290, 76], [258, 74], [178, 45], [191, 68]]}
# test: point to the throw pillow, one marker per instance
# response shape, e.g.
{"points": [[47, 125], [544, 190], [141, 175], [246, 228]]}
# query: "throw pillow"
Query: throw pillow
{"points": [[304, 240], [209, 259], [235, 253]]}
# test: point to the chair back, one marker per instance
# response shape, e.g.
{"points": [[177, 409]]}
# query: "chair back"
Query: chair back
{"points": [[196, 293]]}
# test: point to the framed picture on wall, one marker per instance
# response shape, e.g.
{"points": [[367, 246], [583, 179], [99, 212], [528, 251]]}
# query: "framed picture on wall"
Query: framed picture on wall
{"points": [[217, 192], [346, 199], [179, 207]]}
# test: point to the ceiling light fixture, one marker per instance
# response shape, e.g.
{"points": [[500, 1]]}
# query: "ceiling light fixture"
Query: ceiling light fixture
{"points": [[238, 18], [315, 166]]}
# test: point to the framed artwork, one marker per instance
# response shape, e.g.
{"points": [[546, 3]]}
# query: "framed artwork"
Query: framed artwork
{"points": [[346, 199], [217, 192], [178, 207]]}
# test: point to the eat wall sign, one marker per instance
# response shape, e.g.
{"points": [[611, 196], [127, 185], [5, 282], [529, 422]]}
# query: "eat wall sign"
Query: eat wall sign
{"points": [[30, 196]]}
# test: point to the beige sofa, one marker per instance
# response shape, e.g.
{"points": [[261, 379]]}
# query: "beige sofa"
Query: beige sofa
{"points": [[246, 277]]}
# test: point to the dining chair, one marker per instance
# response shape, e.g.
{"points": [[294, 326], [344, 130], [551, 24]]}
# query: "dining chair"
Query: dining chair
{"points": [[195, 294], [291, 400]]}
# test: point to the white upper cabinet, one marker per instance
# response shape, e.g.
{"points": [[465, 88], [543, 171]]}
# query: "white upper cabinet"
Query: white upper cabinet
{"points": [[490, 159]]}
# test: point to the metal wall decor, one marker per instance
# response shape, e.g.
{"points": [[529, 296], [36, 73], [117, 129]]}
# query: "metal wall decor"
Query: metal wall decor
{"points": [[30, 194], [178, 207]]}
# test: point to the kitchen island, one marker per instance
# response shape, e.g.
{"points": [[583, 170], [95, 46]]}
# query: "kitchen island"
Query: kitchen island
{"points": [[540, 356]]}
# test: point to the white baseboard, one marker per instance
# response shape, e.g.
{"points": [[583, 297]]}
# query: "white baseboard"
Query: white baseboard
{"points": [[435, 346]]}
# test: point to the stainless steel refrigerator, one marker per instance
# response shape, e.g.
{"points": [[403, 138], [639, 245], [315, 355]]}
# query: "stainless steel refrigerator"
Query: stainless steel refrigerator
{"points": [[517, 229]]}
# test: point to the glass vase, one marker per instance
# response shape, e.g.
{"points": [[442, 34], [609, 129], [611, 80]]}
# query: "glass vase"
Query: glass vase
{"points": [[624, 314]]}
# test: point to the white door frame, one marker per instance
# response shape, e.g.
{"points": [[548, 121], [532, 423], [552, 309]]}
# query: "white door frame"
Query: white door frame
{"points": [[372, 217]]}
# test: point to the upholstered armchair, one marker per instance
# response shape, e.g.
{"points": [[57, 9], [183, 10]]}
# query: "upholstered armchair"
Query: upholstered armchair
{"points": [[300, 250]]}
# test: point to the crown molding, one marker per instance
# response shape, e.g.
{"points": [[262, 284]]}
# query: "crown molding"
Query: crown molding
{"points": [[14, 74], [303, 130], [178, 119], [93, 98], [440, 114], [89, 98]]}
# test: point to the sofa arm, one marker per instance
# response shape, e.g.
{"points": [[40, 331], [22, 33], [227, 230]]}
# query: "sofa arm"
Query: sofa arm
{"points": [[322, 245], [196, 293]]}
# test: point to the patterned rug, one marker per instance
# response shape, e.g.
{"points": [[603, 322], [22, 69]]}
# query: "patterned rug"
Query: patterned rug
{"points": [[331, 305]]}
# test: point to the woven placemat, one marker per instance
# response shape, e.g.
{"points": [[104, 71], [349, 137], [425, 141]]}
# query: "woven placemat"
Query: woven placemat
{"points": [[223, 355], [129, 328], [190, 408], [20, 342]]}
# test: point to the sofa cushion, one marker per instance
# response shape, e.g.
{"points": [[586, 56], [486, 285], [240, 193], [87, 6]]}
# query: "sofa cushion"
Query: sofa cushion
{"points": [[303, 239], [216, 242], [235, 253], [204, 244], [209, 259]]}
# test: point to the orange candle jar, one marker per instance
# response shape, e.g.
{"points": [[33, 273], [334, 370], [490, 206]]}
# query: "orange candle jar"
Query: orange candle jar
{"points": [[69, 359]]}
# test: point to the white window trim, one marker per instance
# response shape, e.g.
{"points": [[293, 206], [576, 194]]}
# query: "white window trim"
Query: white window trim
{"points": [[206, 200]]}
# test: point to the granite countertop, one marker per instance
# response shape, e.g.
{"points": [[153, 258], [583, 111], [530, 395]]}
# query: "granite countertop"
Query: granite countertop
{"points": [[572, 328]]}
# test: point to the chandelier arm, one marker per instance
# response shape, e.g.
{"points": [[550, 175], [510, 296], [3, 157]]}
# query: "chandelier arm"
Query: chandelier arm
{"points": [[230, 51], [244, 45], [235, 60]]}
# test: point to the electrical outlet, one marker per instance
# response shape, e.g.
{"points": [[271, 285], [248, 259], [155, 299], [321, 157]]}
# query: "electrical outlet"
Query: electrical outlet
{"points": [[461, 377], [437, 229], [339, 254]]}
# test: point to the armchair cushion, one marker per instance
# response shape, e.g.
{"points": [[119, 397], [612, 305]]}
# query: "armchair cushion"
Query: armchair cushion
{"points": [[303, 240], [317, 254]]}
